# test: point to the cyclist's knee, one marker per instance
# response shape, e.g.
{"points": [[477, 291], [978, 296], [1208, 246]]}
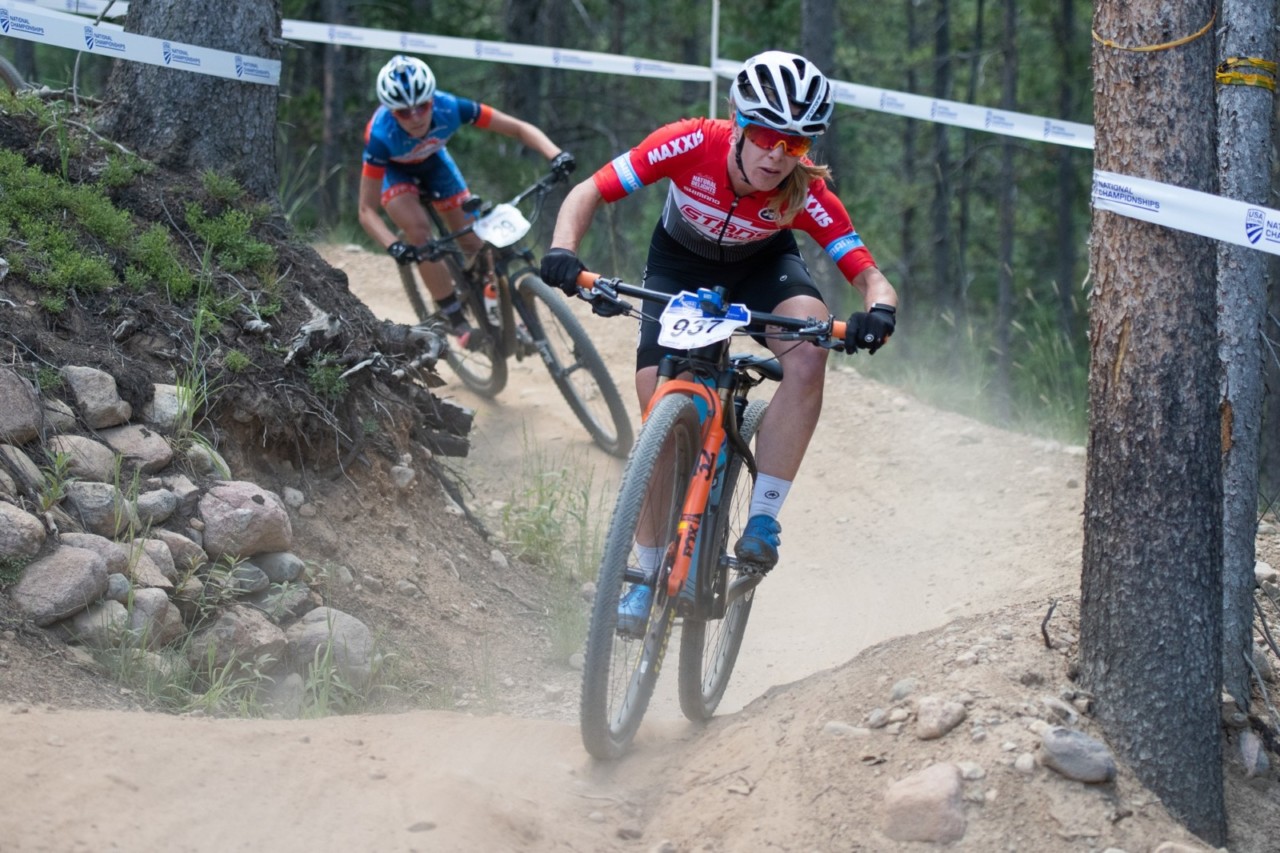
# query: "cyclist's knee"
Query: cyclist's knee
{"points": [[807, 365]]}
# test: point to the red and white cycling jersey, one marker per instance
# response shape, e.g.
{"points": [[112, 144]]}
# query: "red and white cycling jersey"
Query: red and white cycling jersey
{"points": [[702, 212]]}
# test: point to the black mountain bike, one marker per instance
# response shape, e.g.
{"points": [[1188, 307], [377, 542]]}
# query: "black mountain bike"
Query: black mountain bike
{"points": [[683, 490], [520, 316]]}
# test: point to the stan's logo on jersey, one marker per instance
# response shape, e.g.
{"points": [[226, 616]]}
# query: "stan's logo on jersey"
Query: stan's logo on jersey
{"points": [[817, 211], [679, 145]]}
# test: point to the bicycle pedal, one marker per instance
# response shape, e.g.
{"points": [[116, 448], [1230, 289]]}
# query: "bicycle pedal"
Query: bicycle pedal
{"points": [[753, 569]]}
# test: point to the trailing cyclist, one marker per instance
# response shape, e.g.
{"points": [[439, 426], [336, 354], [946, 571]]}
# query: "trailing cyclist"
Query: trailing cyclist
{"points": [[730, 210], [405, 155]]}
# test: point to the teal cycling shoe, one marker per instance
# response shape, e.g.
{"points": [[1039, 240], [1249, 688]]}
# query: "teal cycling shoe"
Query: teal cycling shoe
{"points": [[633, 610], [759, 542]]}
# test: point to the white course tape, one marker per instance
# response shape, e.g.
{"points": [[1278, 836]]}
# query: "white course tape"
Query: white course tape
{"points": [[1225, 219], [494, 51], [935, 110], [24, 21], [1162, 204], [83, 7]]}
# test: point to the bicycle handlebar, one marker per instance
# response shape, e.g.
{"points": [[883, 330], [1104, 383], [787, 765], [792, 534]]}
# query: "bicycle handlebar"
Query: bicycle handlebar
{"points": [[827, 333], [434, 250]]}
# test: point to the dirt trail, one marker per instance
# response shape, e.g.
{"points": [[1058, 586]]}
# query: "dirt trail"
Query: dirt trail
{"points": [[935, 517], [902, 519]]}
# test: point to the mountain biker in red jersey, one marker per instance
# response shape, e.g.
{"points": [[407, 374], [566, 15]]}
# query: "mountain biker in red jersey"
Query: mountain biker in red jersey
{"points": [[405, 155], [738, 188]]}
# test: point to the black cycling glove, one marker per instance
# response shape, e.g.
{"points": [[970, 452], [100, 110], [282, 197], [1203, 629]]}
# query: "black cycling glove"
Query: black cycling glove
{"points": [[560, 268], [604, 307], [869, 330], [562, 164], [403, 253]]}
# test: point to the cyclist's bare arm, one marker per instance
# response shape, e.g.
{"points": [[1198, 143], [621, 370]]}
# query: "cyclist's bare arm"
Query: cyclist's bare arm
{"points": [[531, 135], [874, 288], [576, 213], [370, 212]]}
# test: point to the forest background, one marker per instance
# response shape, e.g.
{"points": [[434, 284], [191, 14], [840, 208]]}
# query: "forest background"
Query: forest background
{"points": [[984, 236]]}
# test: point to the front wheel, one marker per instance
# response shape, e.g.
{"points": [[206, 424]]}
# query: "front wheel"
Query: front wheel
{"points": [[575, 365], [479, 363], [709, 647], [622, 661]]}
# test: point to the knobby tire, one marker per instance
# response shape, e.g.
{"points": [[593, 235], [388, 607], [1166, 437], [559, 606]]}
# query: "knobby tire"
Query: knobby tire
{"points": [[483, 368], [709, 648], [619, 673], [576, 366]]}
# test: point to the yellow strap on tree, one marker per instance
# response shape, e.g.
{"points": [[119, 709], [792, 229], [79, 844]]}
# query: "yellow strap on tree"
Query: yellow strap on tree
{"points": [[1148, 48], [1226, 74]]}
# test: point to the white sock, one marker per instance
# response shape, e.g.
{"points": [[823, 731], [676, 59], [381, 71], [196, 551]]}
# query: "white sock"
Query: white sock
{"points": [[768, 494], [649, 558]]}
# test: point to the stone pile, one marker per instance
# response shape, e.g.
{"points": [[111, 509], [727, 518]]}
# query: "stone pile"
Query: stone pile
{"points": [[127, 532]]}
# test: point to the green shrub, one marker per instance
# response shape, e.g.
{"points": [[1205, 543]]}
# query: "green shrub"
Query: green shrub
{"points": [[326, 380]]}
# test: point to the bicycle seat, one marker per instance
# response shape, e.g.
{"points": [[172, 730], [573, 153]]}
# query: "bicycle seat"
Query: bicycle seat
{"points": [[767, 367]]}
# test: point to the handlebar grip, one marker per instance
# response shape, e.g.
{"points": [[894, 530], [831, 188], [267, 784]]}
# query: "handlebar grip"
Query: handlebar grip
{"points": [[587, 280], [838, 329]]}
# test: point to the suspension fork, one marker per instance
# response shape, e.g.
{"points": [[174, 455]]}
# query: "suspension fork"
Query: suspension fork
{"points": [[698, 493]]}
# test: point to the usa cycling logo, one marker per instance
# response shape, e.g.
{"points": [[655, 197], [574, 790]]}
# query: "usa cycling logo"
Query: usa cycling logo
{"points": [[97, 39], [18, 24], [1255, 223], [166, 52], [239, 66]]}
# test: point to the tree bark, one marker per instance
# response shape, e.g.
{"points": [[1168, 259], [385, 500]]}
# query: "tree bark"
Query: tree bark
{"points": [[945, 285], [1151, 605], [1068, 199], [338, 80], [910, 154], [197, 122], [818, 45], [1244, 173], [1007, 201], [965, 194]]}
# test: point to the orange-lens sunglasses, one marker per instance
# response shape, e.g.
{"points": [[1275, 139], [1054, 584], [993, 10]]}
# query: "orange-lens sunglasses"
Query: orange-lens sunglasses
{"points": [[769, 139], [413, 112]]}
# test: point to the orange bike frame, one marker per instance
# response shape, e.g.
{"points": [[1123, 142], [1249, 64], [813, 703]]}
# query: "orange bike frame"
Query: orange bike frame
{"points": [[699, 489]]}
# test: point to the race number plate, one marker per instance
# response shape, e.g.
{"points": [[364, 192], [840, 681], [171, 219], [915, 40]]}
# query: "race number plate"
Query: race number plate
{"points": [[502, 226], [686, 326]]}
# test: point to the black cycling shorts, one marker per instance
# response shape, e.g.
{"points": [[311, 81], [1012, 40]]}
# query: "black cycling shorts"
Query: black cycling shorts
{"points": [[761, 282]]}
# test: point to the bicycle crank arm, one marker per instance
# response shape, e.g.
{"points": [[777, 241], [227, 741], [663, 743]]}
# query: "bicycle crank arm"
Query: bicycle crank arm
{"points": [[743, 585]]}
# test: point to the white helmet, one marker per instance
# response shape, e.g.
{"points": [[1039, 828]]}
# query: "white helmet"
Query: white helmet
{"points": [[784, 91], [405, 81]]}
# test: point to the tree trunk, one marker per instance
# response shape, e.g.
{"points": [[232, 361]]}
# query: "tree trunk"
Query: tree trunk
{"points": [[522, 84], [1151, 605], [197, 122], [1007, 197], [335, 150], [910, 153], [1244, 173], [944, 284], [1068, 199], [965, 195], [24, 59], [818, 45]]}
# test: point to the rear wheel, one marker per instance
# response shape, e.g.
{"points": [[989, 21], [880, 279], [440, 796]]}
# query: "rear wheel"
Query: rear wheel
{"points": [[480, 364], [10, 77], [575, 364], [709, 647], [620, 669]]}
